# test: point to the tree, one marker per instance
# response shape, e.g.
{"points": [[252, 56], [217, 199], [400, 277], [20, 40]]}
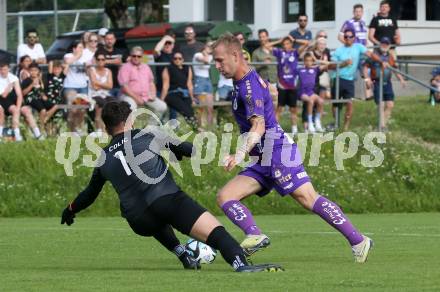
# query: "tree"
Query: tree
{"points": [[117, 11], [145, 11]]}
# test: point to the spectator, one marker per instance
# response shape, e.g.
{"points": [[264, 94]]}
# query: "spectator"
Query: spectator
{"points": [[224, 87], [301, 34], [322, 54], [115, 57], [91, 47], [435, 82], [11, 100], [357, 24], [55, 81], [384, 25], [191, 46], [349, 55], [203, 90], [101, 37], [35, 96], [32, 48], [177, 89], [76, 82], [242, 38], [23, 67], [383, 53], [263, 54], [101, 82], [137, 83], [85, 38], [287, 59]]}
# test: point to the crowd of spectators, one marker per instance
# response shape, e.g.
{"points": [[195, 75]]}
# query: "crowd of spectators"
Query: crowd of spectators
{"points": [[95, 72]]}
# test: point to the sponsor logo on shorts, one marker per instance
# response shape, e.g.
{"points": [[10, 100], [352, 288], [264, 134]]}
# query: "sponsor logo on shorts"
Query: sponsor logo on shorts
{"points": [[285, 178], [277, 173], [289, 186], [301, 175]]}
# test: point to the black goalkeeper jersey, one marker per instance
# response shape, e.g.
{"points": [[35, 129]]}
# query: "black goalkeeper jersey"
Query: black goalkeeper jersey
{"points": [[134, 166]]}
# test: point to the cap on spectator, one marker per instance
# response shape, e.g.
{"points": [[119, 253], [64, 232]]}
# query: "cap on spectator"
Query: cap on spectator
{"points": [[102, 31], [385, 40]]}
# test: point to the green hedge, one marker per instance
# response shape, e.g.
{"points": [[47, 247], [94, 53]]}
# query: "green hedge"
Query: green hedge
{"points": [[32, 183]]}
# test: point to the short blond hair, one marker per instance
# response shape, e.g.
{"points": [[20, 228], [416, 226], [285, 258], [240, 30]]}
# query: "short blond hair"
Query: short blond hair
{"points": [[229, 41]]}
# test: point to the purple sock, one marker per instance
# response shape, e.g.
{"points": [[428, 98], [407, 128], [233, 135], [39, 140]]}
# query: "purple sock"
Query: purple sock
{"points": [[241, 216], [334, 216]]}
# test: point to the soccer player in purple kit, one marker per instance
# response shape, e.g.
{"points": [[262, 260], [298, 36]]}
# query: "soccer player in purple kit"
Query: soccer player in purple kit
{"points": [[253, 111], [287, 59]]}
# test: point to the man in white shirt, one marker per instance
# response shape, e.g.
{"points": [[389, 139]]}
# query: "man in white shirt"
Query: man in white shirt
{"points": [[32, 48]]}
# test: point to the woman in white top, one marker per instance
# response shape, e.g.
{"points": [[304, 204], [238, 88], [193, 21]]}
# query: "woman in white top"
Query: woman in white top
{"points": [[90, 48], [202, 83], [76, 82], [101, 82]]}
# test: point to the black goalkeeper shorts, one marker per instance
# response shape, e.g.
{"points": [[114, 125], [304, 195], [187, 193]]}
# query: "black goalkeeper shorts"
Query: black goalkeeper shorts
{"points": [[178, 210]]}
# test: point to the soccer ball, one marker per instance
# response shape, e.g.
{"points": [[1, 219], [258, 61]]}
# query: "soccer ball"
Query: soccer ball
{"points": [[200, 251]]}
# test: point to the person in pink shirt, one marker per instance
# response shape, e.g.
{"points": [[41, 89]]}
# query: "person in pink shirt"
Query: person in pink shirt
{"points": [[137, 84]]}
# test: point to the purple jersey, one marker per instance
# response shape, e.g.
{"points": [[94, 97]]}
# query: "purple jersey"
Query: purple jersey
{"points": [[250, 98], [360, 29], [308, 78], [287, 64]]}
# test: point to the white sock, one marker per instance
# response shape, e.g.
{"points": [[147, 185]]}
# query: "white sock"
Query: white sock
{"points": [[1, 131], [310, 119], [37, 132], [17, 132], [318, 116]]}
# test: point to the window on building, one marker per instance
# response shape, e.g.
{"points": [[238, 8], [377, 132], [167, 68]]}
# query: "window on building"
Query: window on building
{"points": [[404, 9], [323, 10], [215, 10], [292, 9], [433, 10], [244, 11]]}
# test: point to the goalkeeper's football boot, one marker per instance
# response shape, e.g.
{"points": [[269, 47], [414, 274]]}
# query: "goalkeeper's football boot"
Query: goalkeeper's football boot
{"points": [[189, 262], [253, 243], [260, 268], [362, 249]]}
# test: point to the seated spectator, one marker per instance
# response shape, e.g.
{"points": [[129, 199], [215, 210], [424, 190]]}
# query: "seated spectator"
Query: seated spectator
{"points": [[90, 47], [101, 82], [75, 83], [32, 48], [177, 90], [23, 67], [35, 96], [137, 84], [203, 90], [386, 57], [85, 38], [101, 36], [11, 100], [115, 57], [224, 88], [55, 81]]}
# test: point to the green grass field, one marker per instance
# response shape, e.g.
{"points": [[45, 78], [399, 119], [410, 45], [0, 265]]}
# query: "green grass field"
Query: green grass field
{"points": [[103, 254]]}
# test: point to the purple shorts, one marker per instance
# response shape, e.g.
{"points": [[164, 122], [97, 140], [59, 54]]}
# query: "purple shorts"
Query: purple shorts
{"points": [[306, 91], [284, 177]]}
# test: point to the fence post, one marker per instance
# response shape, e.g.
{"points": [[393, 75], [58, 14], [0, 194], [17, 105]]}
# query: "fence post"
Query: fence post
{"points": [[337, 112], [55, 17], [3, 25], [380, 106], [20, 29]]}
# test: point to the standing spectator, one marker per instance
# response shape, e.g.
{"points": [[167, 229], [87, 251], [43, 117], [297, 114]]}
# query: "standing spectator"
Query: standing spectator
{"points": [[191, 46], [435, 82], [137, 84], [23, 67], [76, 82], [32, 48], [263, 54], [349, 55], [101, 36], [101, 82], [242, 38], [177, 89], [202, 81], [287, 59], [357, 24], [55, 81], [90, 47], [224, 87], [322, 54], [11, 100], [115, 57], [301, 34], [384, 25], [35, 96], [383, 53]]}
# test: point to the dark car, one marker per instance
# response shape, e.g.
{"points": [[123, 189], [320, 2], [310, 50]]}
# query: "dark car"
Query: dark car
{"points": [[63, 43], [6, 56]]}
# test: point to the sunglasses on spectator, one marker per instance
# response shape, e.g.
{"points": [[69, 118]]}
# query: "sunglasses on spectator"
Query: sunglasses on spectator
{"points": [[348, 37], [136, 56], [189, 32], [322, 36], [178, 58]]}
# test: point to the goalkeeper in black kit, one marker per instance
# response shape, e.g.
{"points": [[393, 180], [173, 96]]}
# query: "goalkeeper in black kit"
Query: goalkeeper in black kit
{"points": [[155, 207]]}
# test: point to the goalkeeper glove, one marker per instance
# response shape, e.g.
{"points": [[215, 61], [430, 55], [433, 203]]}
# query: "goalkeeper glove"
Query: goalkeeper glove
{"points": [[67, 216]]}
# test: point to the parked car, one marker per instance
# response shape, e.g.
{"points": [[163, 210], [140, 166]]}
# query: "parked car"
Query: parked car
{"points": [[5, 55]]}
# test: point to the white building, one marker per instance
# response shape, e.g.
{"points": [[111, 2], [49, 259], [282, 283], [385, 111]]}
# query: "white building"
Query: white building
{"points": [[419, 20]]}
